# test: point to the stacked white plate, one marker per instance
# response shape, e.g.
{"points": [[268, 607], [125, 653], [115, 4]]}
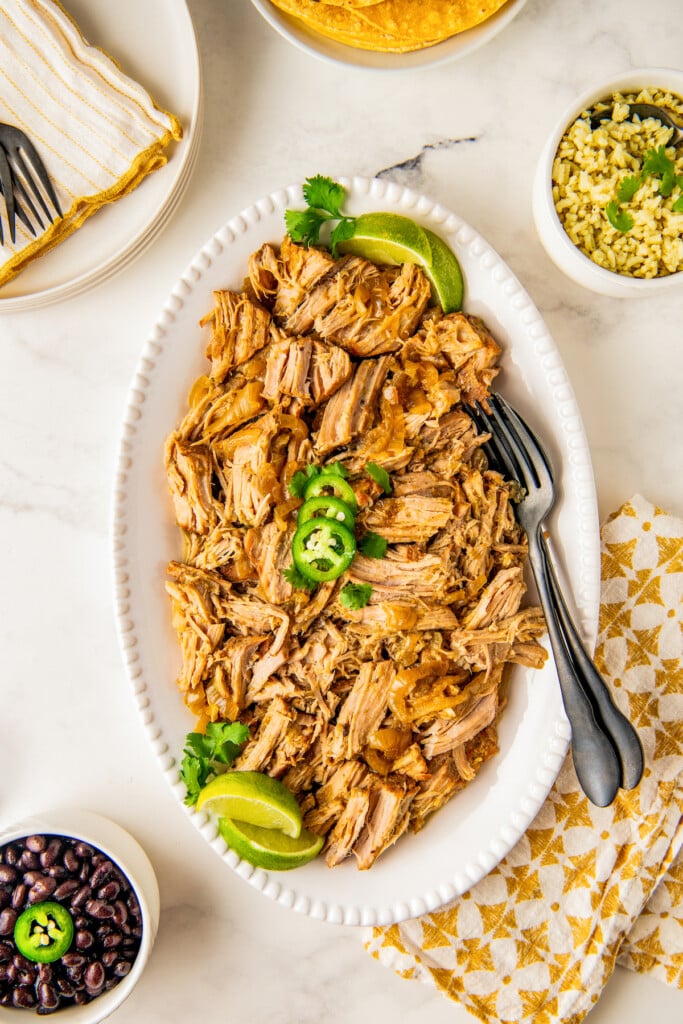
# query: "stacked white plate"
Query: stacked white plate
{"points": [[154, 42]]}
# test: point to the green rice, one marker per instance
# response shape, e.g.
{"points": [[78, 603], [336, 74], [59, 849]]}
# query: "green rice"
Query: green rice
{"points": [[588, 168]]}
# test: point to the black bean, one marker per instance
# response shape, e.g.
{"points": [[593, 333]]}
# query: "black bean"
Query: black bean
{"points": [[83, 850], [80, 998], [120, 912], [84, 873], [8, 874], [75, 975], [36, 844], [12, 855], [30, 860], [6, 951], [79, 898], [112, 941], [71, 861], [47, 996], [45, 972], [19, 896], [5, 898], [5, 966], [122, 968], [57, 871], [49, 856], [110, 983], [84, 939], [65, 986], [8, 918], [25, 978], [41, 889], [109, 891], [73, 960], [65, 889], [94, 975], [21, 962], [23, 996], [101, 873], [100, 910], [109, 957]]}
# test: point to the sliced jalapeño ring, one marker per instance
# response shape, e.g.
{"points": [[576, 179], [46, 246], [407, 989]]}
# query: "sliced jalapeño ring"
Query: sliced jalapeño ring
{"points": [[328, 507], [323, 549], [44, 932], [332, 484]]}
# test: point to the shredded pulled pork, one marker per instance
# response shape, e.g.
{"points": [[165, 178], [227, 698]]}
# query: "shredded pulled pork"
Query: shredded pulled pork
{"points": [[374, 717]]}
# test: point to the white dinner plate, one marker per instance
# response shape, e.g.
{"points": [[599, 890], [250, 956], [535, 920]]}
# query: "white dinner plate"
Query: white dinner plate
{"points": [[296, 31], [154, 42], [479, 826]]}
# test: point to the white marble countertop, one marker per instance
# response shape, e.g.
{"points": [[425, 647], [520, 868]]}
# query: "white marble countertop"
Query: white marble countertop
{"points": [[466, 133]]}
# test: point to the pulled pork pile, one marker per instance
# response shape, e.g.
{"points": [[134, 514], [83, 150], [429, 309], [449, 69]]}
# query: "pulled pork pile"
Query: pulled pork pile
{"points": [[374, 717]]}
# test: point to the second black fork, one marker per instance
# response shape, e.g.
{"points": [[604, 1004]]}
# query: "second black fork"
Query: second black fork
{"points": [[517, 451]]}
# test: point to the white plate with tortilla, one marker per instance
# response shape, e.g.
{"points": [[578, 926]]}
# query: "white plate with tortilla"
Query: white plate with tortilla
{"points": [[465, 839], [317, 45]]}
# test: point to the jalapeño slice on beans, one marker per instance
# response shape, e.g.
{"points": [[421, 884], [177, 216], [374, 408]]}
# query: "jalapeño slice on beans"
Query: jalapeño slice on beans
{"points": [[328, 483], [322, 549], [44, 932], [329, 507]]}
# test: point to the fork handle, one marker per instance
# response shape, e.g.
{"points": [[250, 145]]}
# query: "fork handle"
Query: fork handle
{"points": [[616, 725], [595, 760]]}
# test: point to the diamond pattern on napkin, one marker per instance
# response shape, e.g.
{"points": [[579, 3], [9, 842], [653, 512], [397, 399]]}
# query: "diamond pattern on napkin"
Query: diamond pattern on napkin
{"points": [[586, 887]]}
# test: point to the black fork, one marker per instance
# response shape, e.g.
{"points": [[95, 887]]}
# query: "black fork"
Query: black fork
{"points": [[21, 173], [606, 748]]}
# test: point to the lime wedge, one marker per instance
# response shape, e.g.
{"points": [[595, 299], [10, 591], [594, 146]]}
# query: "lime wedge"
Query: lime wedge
{"points": [[254, 798], [444, 274], [267, 848], [388, 238], [391, 238]]}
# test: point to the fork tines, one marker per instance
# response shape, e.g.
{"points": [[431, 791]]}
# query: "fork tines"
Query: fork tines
{"points": [[513, 446], [23, 179]]}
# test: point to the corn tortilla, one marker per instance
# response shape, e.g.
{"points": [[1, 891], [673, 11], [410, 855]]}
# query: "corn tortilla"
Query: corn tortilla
{"points": [[392, 26]]}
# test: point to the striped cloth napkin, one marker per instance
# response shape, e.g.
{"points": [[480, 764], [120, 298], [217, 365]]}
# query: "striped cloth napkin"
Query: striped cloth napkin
{"points": [[586, 887], [97, 131]]}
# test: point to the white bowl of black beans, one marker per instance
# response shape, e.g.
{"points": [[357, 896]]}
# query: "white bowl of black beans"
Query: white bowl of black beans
{"points": [[79, 911]]}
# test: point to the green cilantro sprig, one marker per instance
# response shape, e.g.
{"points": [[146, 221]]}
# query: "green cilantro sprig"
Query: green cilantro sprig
{"points": [[324, 198], [372, 545], [297, 579], [656, 164], [379, 475], [620, 219], [209, 754], [355, 595], [628, 188]]}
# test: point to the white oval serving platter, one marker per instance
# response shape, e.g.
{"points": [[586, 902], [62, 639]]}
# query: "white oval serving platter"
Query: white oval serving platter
{"points": [[465, 840]]}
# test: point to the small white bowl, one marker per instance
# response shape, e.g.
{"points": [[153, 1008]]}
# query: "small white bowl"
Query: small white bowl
{"points": [[311, 42], [129, 856], [575, 264]]}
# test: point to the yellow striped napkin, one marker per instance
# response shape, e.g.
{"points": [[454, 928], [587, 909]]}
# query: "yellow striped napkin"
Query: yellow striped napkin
{"points": [[586, 887], [97, 131]]}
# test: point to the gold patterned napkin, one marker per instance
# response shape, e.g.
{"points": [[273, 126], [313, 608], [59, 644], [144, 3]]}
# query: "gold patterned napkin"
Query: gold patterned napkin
{"points": [[97, 131], [586, 887]]}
